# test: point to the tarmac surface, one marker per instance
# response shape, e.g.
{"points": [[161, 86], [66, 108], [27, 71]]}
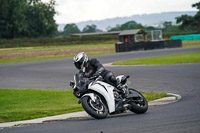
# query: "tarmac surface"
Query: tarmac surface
{"points": [[183, 79], [56, 74]]}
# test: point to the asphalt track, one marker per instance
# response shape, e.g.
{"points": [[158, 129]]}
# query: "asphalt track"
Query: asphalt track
{"points": [[183, 79]]}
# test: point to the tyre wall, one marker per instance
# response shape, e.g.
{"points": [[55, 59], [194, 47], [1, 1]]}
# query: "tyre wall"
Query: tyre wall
{"points": [[121, 47]]}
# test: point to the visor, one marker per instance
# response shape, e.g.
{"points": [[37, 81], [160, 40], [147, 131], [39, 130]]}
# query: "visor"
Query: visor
{"points": [[78, 65]]}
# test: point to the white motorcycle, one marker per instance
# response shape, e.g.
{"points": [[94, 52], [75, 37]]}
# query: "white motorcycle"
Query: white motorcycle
{"points": [[100, 99]]}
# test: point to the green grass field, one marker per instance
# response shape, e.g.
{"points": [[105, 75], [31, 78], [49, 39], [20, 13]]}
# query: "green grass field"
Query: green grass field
{"points": [[24, 104], [193, 57], [45, 58], [50, 48], [191, 43], [27, 54], [40, 53]]}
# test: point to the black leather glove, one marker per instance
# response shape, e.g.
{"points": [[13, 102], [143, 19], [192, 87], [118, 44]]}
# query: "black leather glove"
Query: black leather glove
{"points": [[94, 76], [97, 73]]}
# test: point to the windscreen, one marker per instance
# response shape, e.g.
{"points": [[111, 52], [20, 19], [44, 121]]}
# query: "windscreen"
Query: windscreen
{"points": [[76, 78]]}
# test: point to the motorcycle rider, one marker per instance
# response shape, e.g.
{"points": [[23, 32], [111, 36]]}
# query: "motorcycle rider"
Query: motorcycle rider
{"points": [[92, 68]]}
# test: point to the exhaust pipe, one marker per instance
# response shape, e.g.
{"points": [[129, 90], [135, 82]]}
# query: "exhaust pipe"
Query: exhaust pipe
{"points": [[127, 105]]}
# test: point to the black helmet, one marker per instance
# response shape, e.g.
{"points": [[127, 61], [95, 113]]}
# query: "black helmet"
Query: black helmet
{"points": [[80, 60]]}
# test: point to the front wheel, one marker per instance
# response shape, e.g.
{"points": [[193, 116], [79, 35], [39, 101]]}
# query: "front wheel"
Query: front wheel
{"points": [[139, 104], [96, 109]]}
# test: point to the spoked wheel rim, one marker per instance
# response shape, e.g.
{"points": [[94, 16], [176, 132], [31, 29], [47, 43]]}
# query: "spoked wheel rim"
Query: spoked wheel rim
{"points": [[97, 105]]}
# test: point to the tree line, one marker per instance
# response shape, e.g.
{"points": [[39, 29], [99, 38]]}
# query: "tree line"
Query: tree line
{"points": [[184, 24], [27, 18], [33, 18], [190, 22], [73, 28]]}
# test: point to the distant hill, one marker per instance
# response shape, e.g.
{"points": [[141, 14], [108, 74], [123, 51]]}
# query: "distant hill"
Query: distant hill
{"points": [[144, 19]]}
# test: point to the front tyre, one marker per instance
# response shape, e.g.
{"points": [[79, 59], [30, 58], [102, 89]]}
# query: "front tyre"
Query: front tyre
{"points": [[139, 105], [96, 109]]}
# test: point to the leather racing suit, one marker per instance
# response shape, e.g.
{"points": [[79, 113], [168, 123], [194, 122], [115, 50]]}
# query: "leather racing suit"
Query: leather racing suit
{"points": [[94, 68]]}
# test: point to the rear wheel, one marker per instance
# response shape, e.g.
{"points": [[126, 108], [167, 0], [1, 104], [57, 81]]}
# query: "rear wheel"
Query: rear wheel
{"points": [[139, 104], [96, 109]]}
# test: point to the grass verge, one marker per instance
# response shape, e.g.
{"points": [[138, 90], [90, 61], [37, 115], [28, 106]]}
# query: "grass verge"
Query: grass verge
{"points": [[24, 104], [191, 43], [42, 53], [27, 54], [193, 57], [45, 58]]}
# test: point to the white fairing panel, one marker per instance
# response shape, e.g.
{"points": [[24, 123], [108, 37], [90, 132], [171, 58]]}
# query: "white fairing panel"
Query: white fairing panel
{"points": [[91, 95], [105, 90]]}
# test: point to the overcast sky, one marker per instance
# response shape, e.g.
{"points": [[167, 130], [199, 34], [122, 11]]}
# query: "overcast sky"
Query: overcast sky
{"points": [[73, 11]]}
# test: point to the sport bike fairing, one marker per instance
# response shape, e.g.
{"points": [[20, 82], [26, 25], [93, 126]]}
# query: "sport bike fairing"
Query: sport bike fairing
{"points": [[106, 90]]}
